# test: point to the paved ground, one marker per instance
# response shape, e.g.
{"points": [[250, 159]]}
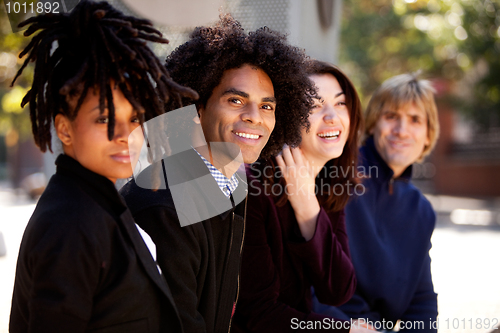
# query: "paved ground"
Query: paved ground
{"points": [[465, 267], [14, 214], [466, 274]]}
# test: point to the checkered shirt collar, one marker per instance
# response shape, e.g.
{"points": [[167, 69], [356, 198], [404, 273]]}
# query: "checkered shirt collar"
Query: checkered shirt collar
{"points": [[227, 186]]}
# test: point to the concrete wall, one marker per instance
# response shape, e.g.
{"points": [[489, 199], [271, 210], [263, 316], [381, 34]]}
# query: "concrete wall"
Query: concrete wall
{"points": [[307, 31]]}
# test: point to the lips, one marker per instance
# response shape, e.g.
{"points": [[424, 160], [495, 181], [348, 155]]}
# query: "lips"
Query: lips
{"points": [[123, 156], [397, 144], [329, 134], [247, 135]]}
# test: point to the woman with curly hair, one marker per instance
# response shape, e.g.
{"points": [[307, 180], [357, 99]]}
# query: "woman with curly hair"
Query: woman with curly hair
{"points": [[255, 95], [82, 264], [296, 239]]}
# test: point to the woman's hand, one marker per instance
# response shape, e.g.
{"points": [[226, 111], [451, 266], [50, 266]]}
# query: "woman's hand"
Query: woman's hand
{"points": [[300, 188]]}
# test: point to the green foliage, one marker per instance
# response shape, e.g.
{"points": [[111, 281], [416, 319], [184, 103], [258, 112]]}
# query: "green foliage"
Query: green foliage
{"points": [[457, 41]]}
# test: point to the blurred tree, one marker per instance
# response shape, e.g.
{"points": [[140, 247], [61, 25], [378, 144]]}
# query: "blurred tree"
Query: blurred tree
{"points": [[453, 40], [14, 121]]}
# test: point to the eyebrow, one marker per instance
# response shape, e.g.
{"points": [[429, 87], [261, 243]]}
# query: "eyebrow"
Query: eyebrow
{"points": [[337, 95], [97, 108], [233, 91], [269, 99]]}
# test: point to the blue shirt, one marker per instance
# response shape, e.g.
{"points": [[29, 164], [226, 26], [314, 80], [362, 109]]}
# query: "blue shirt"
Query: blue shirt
{"points": [[389, 229], [227, 186]]}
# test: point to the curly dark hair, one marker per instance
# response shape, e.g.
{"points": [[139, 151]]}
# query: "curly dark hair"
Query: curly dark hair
{"points": [[201, 62], [96, 44], [348, 161]]}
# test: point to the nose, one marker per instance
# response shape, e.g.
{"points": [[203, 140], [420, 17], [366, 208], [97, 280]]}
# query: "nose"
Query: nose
{"points": [[330, 114], [123, 130], [251, 114], [401, 127]]}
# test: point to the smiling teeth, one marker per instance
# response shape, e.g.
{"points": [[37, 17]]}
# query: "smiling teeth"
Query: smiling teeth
{"points": [[329, 135], [247, 136]]}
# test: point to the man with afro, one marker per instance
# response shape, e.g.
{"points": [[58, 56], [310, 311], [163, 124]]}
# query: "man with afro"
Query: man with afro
{"points": [[254, 94]]}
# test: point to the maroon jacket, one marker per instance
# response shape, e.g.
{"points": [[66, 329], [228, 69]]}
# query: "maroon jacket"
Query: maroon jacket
{"points": [[279, 267]]}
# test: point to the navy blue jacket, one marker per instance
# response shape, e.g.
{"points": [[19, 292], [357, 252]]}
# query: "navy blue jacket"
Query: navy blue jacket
{"points": [[389, 229]]}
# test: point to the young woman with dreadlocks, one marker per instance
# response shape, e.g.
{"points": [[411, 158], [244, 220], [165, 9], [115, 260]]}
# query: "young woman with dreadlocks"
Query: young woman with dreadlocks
{"points": [[83, 265]]}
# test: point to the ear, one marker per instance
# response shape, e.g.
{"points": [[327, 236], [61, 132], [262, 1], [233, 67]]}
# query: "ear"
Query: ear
{"points": [[63, 129], [199, 109]]}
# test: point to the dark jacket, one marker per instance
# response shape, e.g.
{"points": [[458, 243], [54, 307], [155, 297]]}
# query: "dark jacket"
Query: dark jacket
{"points": [[83, 265], [389, 229], [279, 267], [200, 261]]}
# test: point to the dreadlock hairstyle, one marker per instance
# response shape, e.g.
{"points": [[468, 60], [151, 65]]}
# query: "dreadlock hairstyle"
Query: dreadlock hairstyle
{"points": [[201, 62], [326, 180], [96, 44]]}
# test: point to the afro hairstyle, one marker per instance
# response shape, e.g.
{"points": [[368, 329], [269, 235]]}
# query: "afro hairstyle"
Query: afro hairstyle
{"points": [[201, 62]]}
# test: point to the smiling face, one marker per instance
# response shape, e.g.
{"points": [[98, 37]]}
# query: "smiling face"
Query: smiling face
{"points": [[329, 120], [86, 137], [400, 136], [241, 111]]}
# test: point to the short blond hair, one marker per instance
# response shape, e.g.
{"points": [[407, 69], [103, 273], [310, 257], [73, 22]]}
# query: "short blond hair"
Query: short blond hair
{"points": [[398, 92]]}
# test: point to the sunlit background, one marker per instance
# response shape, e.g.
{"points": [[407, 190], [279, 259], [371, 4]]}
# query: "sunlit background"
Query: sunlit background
{"points": [[453, 43]]}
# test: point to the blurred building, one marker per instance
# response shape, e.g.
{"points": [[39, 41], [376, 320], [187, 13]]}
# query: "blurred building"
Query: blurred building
{"points": [[464, 163], [23, 159], [466, 160]]}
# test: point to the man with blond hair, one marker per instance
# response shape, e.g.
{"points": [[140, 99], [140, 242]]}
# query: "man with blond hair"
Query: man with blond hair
{"points": [[390, 225]]}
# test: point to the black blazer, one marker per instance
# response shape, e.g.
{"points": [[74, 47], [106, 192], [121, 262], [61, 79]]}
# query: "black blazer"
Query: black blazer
{"points": [[200, 261], [83, 265]]}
